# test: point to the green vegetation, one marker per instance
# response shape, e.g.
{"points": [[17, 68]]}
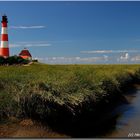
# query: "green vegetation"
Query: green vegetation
{"points": [[13, 60], [63, 95]]}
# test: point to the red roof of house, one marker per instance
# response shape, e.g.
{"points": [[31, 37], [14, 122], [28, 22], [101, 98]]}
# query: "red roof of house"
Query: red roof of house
{"points": [[25, 52]]}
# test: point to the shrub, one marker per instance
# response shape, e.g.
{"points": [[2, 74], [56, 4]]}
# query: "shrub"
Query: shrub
{"points": [[13, 60]]}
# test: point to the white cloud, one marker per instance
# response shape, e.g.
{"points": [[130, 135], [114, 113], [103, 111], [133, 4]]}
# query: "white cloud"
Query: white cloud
{"points": [[29, 44], [97, 51], [124, 57], [109, 51], [73, 60], [135, 58], [27, 27]]}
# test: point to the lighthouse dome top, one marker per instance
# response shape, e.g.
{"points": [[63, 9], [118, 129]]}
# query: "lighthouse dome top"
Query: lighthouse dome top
{"points": [[4, 18]]}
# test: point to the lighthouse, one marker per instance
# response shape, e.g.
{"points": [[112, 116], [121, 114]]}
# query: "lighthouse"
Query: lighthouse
{"points": [[4, 48]]}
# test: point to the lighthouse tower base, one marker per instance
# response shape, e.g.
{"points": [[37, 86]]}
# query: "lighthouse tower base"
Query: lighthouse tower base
{"points": [[4, 52]]}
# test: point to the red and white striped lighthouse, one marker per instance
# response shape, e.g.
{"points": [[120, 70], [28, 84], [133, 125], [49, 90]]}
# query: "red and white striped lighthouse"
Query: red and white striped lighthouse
{"points": [[4, 48]]}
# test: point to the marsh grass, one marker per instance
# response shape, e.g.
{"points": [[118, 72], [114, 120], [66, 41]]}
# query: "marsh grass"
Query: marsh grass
{"points": [[63, 95]]}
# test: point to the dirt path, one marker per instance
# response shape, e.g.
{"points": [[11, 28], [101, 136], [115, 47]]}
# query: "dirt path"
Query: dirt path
{"points": [[26, 129]]}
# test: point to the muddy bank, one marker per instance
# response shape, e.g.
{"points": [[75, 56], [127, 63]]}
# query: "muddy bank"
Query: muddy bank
{"points": [[27, 129]]}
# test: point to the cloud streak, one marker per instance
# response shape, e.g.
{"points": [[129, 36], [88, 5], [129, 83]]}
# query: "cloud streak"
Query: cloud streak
{"points": [[73, 60], [109, 51], [27, 27], [125, 58], [29, 44]]}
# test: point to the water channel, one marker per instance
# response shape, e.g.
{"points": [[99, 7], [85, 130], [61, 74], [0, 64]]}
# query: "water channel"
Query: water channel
{"points": [[128, 122]]}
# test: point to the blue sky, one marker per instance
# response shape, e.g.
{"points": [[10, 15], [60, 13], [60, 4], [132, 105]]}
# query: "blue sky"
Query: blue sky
{"points": [[75, 32]]}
